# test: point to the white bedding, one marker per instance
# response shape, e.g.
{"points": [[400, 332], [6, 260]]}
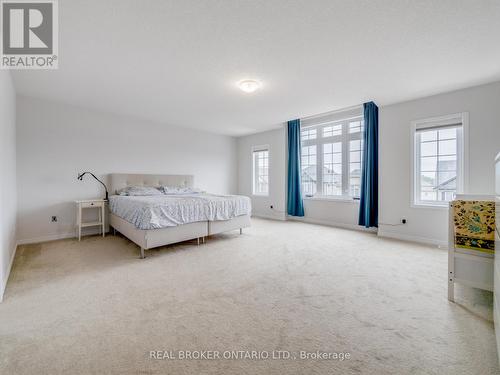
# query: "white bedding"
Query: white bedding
{"points": [[162, 211]]}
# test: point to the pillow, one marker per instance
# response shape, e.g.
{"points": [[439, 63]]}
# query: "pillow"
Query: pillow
{"points": [[176, 190], [139, 191]]}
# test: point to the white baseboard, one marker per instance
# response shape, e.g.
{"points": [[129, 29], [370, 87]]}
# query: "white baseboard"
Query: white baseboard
{"points": [[6, 278], [331, 223], [57, 236], [265, 215], [50, 237], [411, 238]]}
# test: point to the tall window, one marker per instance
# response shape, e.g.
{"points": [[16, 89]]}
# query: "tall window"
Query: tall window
{"points": [[438, 159], [331, 158], [261, 171]]}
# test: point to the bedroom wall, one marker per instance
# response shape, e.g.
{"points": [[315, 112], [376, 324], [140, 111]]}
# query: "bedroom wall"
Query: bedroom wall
{"points": [[55, 141], [424, 224], [8, 177]]}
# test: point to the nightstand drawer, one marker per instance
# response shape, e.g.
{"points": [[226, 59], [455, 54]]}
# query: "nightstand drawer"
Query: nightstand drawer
{"points": [[91, 204]]}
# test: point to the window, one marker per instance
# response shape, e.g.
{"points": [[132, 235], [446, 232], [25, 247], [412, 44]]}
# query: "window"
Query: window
{"points": [[438, 159], [261, 171], [331, 158]]}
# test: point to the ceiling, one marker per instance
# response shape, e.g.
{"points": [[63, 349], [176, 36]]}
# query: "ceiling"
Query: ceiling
{"points": [[177, 62]]}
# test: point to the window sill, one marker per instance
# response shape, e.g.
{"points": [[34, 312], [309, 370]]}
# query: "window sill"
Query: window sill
{"points": [[260, 195], [430, 206], [331, 199]]}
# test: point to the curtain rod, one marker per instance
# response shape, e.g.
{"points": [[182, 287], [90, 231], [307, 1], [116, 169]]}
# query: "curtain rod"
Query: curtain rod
{"points": [[359, 106]]}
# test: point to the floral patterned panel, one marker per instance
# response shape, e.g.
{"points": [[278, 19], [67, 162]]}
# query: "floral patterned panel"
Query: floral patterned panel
{"points": [[474, 225]]}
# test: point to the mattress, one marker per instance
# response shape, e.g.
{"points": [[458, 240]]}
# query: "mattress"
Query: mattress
{"points": [[162, 211]]}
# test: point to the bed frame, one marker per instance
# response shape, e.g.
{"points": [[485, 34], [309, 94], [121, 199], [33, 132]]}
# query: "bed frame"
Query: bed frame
{"points": [[151, 238]]}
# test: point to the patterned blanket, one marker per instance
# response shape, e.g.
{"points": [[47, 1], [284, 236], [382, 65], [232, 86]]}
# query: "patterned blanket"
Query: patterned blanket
{"points": [[474, 223]]}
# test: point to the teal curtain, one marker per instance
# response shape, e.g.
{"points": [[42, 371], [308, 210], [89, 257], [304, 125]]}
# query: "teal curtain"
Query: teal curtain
{"points": [[295, 206], [368, 207]]}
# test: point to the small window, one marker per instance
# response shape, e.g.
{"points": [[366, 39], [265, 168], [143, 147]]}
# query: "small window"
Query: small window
{"points": [[261, 171], [438, 159]]}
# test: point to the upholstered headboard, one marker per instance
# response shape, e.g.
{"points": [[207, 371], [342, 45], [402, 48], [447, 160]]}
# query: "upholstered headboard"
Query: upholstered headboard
{"points": [[120, 180]]}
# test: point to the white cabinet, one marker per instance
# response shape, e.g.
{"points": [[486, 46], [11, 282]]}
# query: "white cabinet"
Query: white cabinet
{"points": [[496, 288]]}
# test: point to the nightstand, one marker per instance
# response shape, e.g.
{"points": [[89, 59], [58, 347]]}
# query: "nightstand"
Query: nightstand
{"points": [[99, 204]]}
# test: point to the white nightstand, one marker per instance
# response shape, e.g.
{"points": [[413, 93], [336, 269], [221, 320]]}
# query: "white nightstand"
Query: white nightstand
{"points": [[100, 204]]}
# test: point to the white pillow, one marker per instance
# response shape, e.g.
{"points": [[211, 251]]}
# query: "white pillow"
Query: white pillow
{"points": [[139, 191]]}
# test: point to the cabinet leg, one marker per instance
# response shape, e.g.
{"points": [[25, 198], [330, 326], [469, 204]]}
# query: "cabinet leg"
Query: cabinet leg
{"points": [[142, 253], [451, 290]]}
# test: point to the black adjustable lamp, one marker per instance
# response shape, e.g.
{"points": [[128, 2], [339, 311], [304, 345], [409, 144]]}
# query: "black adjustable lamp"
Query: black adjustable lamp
{"points": [[80, 177]]}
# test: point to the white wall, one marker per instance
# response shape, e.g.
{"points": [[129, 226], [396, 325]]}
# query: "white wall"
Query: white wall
{"points": [[430, 225], [276, 140], [7, 177], [55, 141]]}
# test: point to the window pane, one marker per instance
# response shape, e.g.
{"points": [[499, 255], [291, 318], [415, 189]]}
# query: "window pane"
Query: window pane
{"points": [[337, 147], [332, 168], [355, 156], [438, 165], [355, 145], [428, 179], [355, 186], [355, 169], [448, 133], [448, 163], [448, 147], [307, 134], [261, 172], [308, 170], [429, 135], [428, 148], [428, 194], [428, 164], [354, 127], [332, 130]]}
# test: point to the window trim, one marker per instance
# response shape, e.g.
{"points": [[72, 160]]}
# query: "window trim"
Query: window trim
{"points": [[257, 149], [462, 156], [344, 139]]}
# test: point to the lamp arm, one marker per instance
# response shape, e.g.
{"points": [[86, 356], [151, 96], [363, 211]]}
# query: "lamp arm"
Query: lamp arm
{"points": [[80, 177]]}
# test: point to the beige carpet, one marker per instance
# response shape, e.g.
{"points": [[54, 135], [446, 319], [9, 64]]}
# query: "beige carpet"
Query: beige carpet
{"points": [[94, 308]]}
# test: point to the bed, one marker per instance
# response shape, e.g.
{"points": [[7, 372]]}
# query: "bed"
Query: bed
{"points": [[161, 220]]}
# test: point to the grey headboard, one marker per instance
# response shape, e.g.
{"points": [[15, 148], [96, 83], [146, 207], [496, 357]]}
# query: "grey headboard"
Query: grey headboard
{"points": [[120, 180]]}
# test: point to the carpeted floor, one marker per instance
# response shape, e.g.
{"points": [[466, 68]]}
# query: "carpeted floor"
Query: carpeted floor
{"points": [[94, 308]]}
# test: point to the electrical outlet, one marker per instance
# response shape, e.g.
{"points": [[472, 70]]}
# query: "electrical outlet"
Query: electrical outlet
{"points": [[54, 219]]}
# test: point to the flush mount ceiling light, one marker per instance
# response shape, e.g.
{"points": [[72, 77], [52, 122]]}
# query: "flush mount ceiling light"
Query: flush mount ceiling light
{"points": [[249, 85]]}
